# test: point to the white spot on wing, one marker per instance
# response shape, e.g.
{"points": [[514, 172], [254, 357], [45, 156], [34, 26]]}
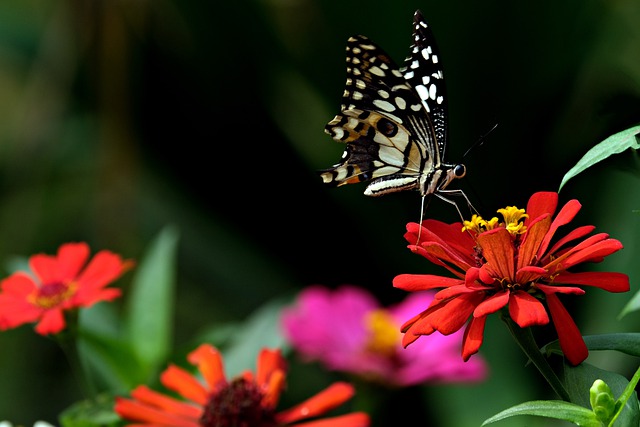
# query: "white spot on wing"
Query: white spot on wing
{"points": [[422, 91], [432, 91], [384, 105], [377, 71]]}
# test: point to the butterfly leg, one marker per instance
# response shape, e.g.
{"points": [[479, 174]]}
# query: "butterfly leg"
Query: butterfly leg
{"points": [[443, 195]]}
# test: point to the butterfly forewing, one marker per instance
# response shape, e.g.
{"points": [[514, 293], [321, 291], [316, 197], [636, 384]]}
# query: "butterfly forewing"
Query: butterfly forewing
{"points": [[392, 119], [422, 69]]}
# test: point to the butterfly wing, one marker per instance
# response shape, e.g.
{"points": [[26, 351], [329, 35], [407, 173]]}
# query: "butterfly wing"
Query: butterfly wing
{"points": [[422, 69], [384, 121], [376, 121]]}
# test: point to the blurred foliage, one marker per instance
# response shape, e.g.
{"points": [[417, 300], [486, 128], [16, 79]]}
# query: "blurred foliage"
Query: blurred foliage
{"points": [[120, 117]]}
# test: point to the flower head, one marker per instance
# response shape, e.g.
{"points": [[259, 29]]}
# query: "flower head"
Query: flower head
{"points": [[519, 264], [57, 284], [249, 400], [347, 330]]}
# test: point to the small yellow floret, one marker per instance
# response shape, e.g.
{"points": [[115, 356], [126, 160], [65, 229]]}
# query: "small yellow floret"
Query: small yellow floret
{"points": [[491, 224], [476, 224], [479, 225], [512, 217]]}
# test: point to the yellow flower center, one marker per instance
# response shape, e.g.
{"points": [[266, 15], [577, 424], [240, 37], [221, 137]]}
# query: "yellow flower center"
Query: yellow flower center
{"points": [[513, 218], [50, 295], [384, 333]]}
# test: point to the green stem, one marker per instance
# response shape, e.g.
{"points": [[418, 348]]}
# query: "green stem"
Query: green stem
{"points": [[67, 339], [626, 394], [524, 338]]}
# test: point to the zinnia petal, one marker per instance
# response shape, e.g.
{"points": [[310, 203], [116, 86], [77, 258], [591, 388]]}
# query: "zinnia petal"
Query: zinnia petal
{"points": [[51, 322], [137, 411], [355, 419], [324, 401], [185, 384], [65, 267], [573, 235], [421, 282], [492, 304], [540, 203], [571, 341], [566, 214], [269, 361], [473, 336], [593, 253], [533, 238], [530, 274], [527, 310], [104, 267], [144, 394], [497, 249], [19, 285], [453, 315], [210, 364], [273, 389], [551, 289], [609, 281]]}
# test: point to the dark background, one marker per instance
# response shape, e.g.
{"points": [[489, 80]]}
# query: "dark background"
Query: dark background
{"points": [[118, 118]]}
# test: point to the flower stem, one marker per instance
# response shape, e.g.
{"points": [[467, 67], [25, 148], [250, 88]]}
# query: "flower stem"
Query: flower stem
{"points": [[67, 339], [524, 338]]}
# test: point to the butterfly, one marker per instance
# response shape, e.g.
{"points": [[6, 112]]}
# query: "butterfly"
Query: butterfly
{"points": [[394, 121]]}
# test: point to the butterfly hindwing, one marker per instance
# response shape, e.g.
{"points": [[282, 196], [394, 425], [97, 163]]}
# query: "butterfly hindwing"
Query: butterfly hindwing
{"points": [[376, 148]]}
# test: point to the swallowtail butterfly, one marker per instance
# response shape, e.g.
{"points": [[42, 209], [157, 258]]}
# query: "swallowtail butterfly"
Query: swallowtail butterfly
{"points": [[394, 120]]}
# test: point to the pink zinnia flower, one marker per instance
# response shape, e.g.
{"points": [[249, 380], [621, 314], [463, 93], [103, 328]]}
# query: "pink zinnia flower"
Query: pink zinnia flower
{"points": [[348, 330], [517, 264]]}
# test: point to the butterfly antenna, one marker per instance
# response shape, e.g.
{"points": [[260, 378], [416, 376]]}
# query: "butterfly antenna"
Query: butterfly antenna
{"points": [[480, 140]]}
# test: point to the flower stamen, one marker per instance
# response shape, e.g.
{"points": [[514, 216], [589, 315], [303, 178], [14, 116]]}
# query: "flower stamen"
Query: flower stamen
{"points": [[50, 295]]}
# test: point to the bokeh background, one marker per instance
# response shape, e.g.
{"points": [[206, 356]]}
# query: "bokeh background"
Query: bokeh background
{"points": [[121, 117]]}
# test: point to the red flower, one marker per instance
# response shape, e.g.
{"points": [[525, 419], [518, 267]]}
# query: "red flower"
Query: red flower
{"points": [[248, 400], [59, 283], [510, 264]]}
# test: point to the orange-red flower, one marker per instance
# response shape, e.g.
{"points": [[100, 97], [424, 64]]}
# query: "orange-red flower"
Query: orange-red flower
{"points": [[57, 284], [250, 400], [516, 263]]}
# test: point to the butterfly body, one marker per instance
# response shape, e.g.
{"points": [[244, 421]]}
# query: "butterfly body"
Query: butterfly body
{"points": [[393, 120]]}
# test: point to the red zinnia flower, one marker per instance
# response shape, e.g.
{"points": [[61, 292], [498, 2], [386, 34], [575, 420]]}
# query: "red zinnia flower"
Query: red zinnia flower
{"points": [[247, 401], [58, 283], [509, 264]]}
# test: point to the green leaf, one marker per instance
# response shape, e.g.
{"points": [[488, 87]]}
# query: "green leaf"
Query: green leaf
{"points": [[625, 342], [628, 343], [260, 330], [149, 316], [91, 413], [111, 360], [550, 409], [614, 144], [631, 306]]}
